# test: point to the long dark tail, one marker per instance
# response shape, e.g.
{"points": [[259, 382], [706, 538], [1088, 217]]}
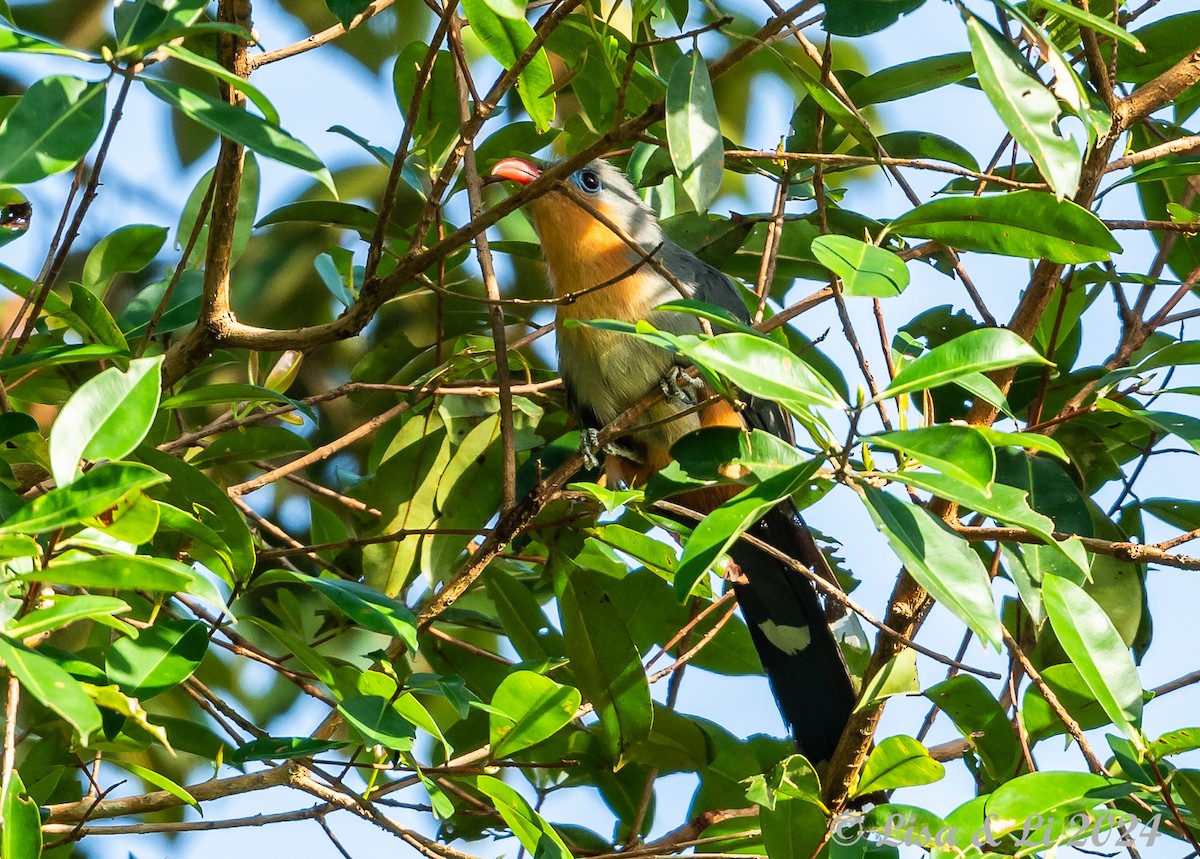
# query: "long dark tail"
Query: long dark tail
{"points": [[790, 632]]}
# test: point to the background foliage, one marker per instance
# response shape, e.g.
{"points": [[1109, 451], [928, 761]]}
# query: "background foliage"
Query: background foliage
{"points": [[262, 461]]}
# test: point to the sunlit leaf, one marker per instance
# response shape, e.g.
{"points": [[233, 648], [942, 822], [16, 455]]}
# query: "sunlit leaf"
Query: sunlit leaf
{"points": [[52, 127], [529, 708], [106, 418], [939, 559], [1097, 650], [1029, 224], [694, 130]]}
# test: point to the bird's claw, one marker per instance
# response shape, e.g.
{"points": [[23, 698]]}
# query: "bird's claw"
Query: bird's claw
{"points": [[681, 386], [589, 448]]}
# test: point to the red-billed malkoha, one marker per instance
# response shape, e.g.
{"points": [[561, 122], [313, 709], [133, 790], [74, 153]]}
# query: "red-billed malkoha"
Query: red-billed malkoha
{"points": [[606, 372]]}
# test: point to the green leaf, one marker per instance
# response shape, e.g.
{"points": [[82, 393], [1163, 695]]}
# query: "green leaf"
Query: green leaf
{"points": [[763, 368], [1005, 504], [141, 25], [527, 627], [42, 678], [365, 606], [20, 823], [19, 546], [694, 130], [909, 79], [251, 131], [721, 528], [129, 249], [507, 8], [924, 144], [865, 270], [13, 41], [379, 724], [191, 490], [1093, 22], [1097, 650], [52, 127], [230, 393], [505, 39], [1027, 224], [1183, 427], [941, 561], [99, 490], [535, 834], [898, 762], [16, 212], [120, 572], [1046, 795], [611, 499], [1027, 108], [13, 424], [1176, 742], [95, 321], [64, 611], [605, 662], [978, 351], [56, 356], [960, 452], [978, 716], [281, 749], [436, 124], [183, 306], [160, 658], [347, 215], [1027, 440], [106, 418], [1042, 721], [160, 781], [347, 10], [863, 17], [247, 209], [838, 113], [898, 676], [528, 708], [794, 828], [253, 93]]}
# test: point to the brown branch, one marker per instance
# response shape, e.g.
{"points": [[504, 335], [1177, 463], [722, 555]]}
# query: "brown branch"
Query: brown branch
{"points": [[316, 811], [316, 40], [1055, 704], [1159, 92], [835, 159], [1097, 67], [518, 517], [1134, 553], [10, 731], [1189, 227], [86, 809], [1172, 147], [215, 311], [321, 453], [483, 254]]}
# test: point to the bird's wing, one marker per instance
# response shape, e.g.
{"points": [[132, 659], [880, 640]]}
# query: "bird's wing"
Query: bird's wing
{"points": [[713, 286]]}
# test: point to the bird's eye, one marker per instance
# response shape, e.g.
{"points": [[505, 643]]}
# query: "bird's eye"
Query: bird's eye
{"points": [[589, 181]]}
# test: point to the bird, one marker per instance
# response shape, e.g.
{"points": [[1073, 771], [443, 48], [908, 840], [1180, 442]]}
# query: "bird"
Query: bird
{"points": [[607, 258]]}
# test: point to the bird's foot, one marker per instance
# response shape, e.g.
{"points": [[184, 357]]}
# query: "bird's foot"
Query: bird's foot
{"points": [[589, 448], [681, 386]]}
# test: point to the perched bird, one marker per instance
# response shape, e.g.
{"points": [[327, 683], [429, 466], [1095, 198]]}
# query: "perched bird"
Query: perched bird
{"points": [[587, 225]]}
